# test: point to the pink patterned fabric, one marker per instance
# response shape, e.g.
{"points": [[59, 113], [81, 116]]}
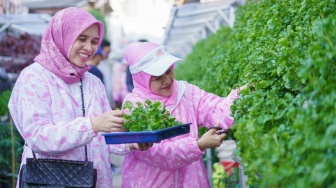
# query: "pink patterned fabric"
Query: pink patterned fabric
{"points": [[46, 104], [177, 162], [48, 114], [61, 33]]}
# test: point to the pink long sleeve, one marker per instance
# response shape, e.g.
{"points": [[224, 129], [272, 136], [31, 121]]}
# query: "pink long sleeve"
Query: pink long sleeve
{"points": [[48, 114], [177, 162], [39, 115], [171, 155], [211, 108]]}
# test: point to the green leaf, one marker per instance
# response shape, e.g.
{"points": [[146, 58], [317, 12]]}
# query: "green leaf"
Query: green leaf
{"points": [[148, 116]]}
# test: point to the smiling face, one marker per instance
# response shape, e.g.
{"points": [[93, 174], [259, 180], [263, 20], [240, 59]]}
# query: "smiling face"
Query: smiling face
{"points": [[85, 46], [163, 85]]}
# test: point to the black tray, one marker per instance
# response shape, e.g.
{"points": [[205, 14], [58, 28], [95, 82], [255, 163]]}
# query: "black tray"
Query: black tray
{"points": [[146, 136]]}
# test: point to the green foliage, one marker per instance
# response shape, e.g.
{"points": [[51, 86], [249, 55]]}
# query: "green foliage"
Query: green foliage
{"points": [[201, 131], [4, 98], [148, 117], [285, 123], [205, 53], [99, 16], [223, 179], [315, 124], [8, 144], [11, 144], [218, 176]]}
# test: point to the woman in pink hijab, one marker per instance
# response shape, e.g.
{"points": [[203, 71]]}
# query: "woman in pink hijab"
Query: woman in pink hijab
{"points": [[58, 106], [176, 162]]}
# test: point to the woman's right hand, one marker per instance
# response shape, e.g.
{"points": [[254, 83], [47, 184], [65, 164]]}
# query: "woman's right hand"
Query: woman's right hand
{"points": [[111, 121], [140, 146], [210, 139]]}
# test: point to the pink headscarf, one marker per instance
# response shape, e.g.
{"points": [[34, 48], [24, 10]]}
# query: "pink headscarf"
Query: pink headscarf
{"points": [[60, 35], [136, 52]]}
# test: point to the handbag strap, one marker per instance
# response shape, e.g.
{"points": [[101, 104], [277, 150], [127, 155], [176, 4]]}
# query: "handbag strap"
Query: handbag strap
{"points": [[83, 111]]}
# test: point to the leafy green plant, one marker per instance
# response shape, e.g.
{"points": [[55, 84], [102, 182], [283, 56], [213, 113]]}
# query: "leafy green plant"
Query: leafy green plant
{"points": [[101, 17], [201, 131], [10, 145], [284, 127], [148, 116], [223, 179], [4, 98]]}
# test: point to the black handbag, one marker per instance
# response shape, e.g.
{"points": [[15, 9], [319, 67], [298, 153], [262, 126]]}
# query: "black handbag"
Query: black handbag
{"points": [[58, 173]]}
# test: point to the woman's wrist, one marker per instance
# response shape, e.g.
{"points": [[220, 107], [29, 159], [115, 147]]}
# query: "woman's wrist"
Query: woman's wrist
{"points": [[200, 145], [93, 120]]}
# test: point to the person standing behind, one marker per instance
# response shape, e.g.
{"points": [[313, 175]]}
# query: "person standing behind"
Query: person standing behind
{"points": [[51, 96], [4, 81], [94, 62], [105, 67], [119, 82], [129, 80], [106, 48], [176, 162]]}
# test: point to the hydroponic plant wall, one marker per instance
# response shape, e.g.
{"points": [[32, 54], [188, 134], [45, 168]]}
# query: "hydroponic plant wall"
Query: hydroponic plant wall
{"points": [[285, 122]]}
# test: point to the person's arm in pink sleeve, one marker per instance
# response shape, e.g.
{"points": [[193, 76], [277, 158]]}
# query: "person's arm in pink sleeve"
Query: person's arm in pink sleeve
{"points": [[212, 109], [30, 108], [119, 149], [171, 155], [234, 94]]}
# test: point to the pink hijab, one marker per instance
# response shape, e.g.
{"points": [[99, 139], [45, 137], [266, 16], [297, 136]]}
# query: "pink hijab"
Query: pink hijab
{"points": [[57, 41], [136, 52]]}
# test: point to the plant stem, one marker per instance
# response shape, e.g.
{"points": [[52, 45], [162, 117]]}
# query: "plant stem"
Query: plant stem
{"points": [[13, 151]]}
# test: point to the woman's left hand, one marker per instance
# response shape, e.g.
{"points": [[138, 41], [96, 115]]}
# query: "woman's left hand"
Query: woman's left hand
{"points": [[140, 146], [242, 88]]}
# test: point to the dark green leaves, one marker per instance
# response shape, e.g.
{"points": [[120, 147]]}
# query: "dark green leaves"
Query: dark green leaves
{"points": [[4, 99]]}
